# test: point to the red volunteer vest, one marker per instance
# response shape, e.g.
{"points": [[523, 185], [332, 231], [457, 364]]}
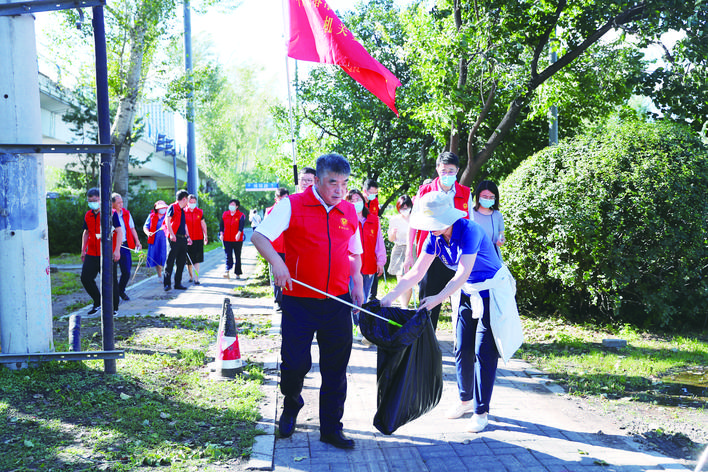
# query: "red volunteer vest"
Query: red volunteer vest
{"points": [[231, 225], [193, 218], [154, 219], [93, 223], [369, 232], [176, 217], [317, 245], [462, 198], [279, 243], [126, 227], [373, 206]]}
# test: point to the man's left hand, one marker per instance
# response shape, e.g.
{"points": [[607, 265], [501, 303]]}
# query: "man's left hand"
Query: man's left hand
{"points": [[379, 270]]}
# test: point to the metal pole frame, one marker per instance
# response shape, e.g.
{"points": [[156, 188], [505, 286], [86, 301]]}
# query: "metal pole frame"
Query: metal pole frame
{"points": [[104, 133]]}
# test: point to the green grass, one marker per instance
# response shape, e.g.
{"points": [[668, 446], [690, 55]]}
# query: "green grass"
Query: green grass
{"points": [[66, 259], [575, 357], [160, 409], [64, 283]]}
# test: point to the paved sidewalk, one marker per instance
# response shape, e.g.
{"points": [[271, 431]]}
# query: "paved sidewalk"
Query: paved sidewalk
{"points": [[532, 428]]}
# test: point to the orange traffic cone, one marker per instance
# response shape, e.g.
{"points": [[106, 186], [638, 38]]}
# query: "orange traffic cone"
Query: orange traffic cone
{"points": [[228, 361]]}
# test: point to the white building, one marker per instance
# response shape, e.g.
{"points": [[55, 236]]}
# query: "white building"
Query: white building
{"points": [[158, 172]]}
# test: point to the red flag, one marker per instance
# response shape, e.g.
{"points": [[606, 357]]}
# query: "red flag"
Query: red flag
{"points": [[318, 35]]}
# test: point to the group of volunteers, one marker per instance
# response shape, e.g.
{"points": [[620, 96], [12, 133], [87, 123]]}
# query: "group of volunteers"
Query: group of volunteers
{"points": [[327, 240], [176, 236]]}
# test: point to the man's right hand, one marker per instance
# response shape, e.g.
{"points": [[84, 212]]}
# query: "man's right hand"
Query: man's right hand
{"points": [[173, 238], [408, 262], [281, 276]]}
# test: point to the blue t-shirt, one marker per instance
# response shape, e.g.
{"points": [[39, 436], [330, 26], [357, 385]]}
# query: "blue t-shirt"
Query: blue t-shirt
{"points": [[467, 237]]}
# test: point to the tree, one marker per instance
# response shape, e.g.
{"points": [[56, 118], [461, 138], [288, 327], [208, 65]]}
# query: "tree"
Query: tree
{"points": [[478, 78]]}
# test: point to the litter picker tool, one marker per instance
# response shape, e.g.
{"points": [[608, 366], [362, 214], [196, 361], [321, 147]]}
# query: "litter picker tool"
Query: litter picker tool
{"points": [[194, 268], [347, 303]]}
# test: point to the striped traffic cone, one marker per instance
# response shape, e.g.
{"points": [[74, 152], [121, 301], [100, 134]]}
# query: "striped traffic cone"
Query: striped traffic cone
{"points": [[228, 361]]}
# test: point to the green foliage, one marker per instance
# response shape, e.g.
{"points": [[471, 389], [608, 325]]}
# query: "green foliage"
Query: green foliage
{"points": [[65, 222], [612, 224]]}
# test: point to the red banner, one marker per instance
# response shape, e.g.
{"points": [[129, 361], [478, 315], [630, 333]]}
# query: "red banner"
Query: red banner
{"points": [[318, 35]]}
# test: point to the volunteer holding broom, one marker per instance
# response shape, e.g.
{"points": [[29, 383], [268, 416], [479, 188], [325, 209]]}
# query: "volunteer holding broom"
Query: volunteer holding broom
{"points": [[463, 246], [322, 247]]}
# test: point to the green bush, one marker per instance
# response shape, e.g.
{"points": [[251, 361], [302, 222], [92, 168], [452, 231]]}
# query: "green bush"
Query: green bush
{"points": [[65, 221], [612, 225]]}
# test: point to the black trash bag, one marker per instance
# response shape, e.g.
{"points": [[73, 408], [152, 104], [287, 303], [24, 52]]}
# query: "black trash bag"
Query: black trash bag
{"points": [[409, 364]]}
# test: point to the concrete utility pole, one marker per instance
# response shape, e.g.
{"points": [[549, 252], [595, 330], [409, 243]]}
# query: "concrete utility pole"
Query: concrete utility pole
{"points": [[25, 289], [192, 170]]}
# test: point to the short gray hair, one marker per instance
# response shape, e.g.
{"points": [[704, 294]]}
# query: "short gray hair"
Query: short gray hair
{"points": [[332, 164]]}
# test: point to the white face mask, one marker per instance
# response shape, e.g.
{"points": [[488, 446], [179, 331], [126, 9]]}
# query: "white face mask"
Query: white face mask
{"points": [[358, 206], [232, 207], [406, 212], [94, 205], [162, 211], [448, 180], [192, 206]]}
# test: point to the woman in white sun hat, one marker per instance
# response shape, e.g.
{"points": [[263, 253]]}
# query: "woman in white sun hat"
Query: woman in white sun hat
{"points": [[464, 247]]}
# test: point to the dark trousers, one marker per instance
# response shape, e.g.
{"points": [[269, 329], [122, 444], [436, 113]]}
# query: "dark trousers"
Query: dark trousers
{"points": [[374, 288], [432, 283], [178, 254], [278, 291], [233, 256], [89, 270], [126, 263], [331, 320], [476, 356]]}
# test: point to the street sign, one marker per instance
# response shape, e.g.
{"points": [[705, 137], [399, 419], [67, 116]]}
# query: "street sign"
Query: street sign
{"points": [[262, 186]]}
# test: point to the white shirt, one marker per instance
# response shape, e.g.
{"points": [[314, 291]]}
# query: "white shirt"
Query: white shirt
{"points": [[278, 220], [122, 224]]}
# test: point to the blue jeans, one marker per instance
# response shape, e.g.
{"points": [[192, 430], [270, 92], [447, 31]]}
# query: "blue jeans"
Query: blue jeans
{"points": [[476, 356]]}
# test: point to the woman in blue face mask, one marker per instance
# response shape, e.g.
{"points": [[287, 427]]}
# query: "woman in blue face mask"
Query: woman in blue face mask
{"points": [[486, 212]]}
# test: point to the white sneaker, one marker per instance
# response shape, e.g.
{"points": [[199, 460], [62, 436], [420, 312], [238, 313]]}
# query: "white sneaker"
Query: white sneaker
{"points": [[478, 423], [460, 409], [365, 341], [226, 275]]}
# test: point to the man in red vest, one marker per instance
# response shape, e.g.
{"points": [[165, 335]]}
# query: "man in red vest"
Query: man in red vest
{"points": [[91, 250], [130, 241], [178, 235], [305, 179], [322, 248], [197, 228], [438, 275]]}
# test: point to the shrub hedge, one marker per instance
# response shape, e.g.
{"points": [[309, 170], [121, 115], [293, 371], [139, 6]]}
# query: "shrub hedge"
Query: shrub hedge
{"points": [[65, 216], [613, 225]]}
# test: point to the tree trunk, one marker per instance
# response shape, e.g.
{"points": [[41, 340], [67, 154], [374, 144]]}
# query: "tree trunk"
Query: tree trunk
{"points": [[125, 117], [454, 145]]}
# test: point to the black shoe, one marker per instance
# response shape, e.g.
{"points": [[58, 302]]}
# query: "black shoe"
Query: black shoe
{"points": [[180, 287], [125, 296], [286, 424], [167, 287], [196, 282], [94, 309], [337, 439]]}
